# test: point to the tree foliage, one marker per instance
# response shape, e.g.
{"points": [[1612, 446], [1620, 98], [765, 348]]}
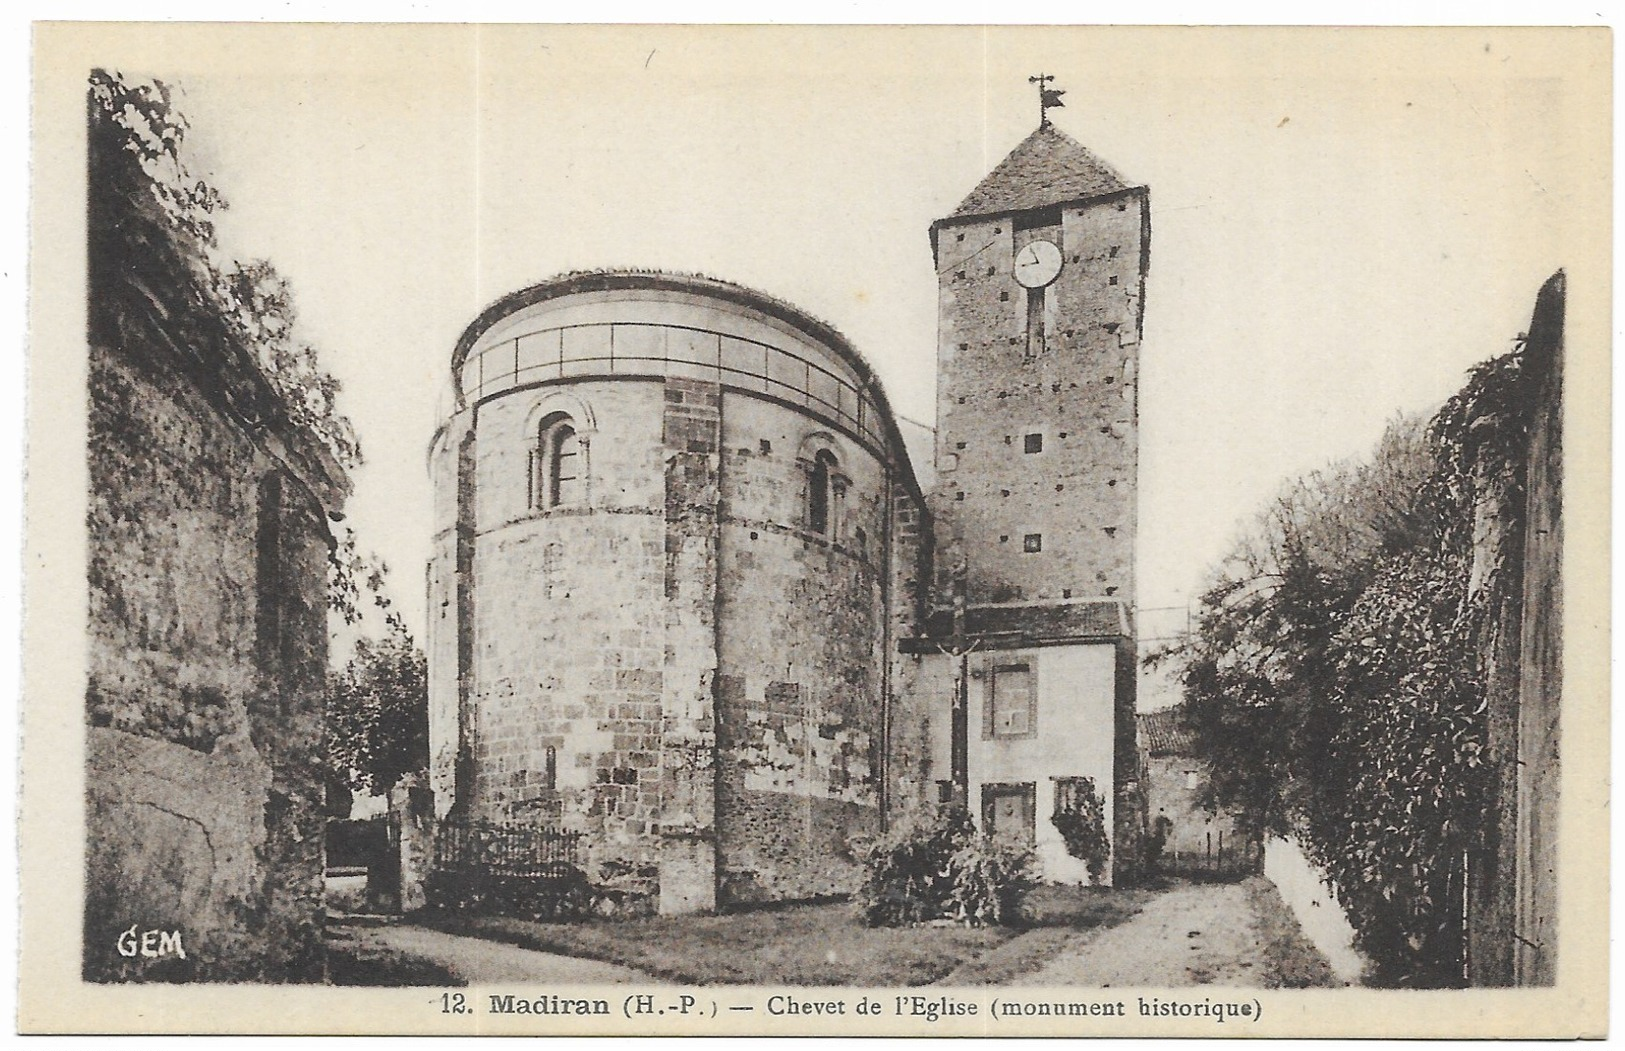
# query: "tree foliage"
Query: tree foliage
{"points": [[378, 703], [153, 244], [1336, 674], [378, 712], [355, 580]]}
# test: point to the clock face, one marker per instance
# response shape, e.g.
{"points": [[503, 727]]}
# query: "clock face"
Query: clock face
{"points": [[1038, 263]]}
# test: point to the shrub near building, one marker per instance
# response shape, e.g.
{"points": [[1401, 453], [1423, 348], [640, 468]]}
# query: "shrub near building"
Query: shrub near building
{"points": [[937, 866]]}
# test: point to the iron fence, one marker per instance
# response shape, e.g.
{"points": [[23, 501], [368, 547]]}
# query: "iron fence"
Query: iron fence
{"points": [[508, 867], [1222, 856]]}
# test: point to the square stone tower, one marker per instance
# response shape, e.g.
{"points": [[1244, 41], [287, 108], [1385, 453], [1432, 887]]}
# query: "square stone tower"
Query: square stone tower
{"points": [[1026, 671], [1041, 279]]}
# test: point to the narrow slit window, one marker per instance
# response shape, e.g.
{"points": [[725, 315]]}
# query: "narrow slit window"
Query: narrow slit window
{"points": [[1035, 322]]}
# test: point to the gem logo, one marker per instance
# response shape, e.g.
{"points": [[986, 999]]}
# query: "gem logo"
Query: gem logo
{"points": [[150, 944]]}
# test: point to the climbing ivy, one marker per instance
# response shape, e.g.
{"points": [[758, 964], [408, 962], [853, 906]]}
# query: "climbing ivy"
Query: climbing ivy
{"points": [[1080, 818], [1336, 674], [153, 242], [153, 251]]}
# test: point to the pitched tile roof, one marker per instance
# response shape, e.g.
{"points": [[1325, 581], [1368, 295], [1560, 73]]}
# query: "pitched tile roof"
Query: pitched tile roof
{"points": [[1048, 167], [1083, 619], [1163, 732]]}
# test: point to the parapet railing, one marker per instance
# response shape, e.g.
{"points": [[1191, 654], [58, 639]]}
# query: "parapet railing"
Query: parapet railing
{"points": [[623, 348]]}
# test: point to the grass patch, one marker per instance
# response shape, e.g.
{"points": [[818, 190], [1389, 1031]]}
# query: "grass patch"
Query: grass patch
{"points": [[1054, 915], [795, 945], [1291, 960]]}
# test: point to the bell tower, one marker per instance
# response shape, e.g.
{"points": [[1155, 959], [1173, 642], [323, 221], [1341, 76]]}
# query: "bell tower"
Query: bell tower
{"points": [[1041, 281]]}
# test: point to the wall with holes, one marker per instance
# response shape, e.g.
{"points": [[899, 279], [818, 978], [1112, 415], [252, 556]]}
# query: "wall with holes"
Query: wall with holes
{"points": [[1037, 442]]}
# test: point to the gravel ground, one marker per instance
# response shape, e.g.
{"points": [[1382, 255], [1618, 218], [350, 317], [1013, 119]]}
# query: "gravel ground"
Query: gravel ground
{"points": [[475, 961], [1191, 934]]}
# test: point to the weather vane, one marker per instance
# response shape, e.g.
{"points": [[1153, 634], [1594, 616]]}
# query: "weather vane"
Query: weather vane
{"points": [[1048, 98]]}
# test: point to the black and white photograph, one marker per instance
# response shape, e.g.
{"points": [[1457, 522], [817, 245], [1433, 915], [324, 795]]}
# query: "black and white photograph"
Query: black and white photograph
{"points": [[812, 530]]}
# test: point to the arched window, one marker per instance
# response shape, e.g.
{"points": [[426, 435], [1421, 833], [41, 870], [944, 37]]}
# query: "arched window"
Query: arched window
{"points": [[556, 464], [824, 491], [565, 451], [818, 492]]}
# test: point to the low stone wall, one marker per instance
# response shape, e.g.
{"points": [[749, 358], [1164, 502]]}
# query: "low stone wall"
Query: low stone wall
{"points": [[1315, 907]]}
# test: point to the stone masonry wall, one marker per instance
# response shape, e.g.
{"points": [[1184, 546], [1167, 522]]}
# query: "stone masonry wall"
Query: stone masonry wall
{"points": [[675, 663], [1512, 885], [1078, 395], [1129, 804], [1540, 681], [207, 656], [914, 707], [569, 635], [692, 432], [800, 641], [444, 620]]}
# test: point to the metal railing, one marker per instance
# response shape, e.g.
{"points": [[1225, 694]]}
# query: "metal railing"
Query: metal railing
{"points": [[1221, 856], [624, 348], [508, 867]]}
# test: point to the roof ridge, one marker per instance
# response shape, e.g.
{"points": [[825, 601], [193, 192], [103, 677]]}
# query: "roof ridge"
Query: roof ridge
{"points": [[1047, 167]]}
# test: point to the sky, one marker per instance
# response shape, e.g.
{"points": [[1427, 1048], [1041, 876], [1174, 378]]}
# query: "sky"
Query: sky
{"points": [[1342, 221]]}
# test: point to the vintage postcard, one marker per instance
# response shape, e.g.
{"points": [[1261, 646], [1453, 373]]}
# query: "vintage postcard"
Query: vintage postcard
{"points": [[708, 530]]}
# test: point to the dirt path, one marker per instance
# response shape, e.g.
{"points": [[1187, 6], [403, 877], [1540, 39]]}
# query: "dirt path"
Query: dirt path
{"points": [[480, 962], [1191, 934]]}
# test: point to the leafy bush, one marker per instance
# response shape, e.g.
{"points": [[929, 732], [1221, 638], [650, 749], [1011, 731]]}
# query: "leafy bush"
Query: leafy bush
{"points": [[941, 868], [905, 870], [986, 882]]}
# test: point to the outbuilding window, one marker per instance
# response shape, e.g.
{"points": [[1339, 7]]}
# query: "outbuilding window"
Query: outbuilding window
{"points": [[1011, 708], [1008, 812]]}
